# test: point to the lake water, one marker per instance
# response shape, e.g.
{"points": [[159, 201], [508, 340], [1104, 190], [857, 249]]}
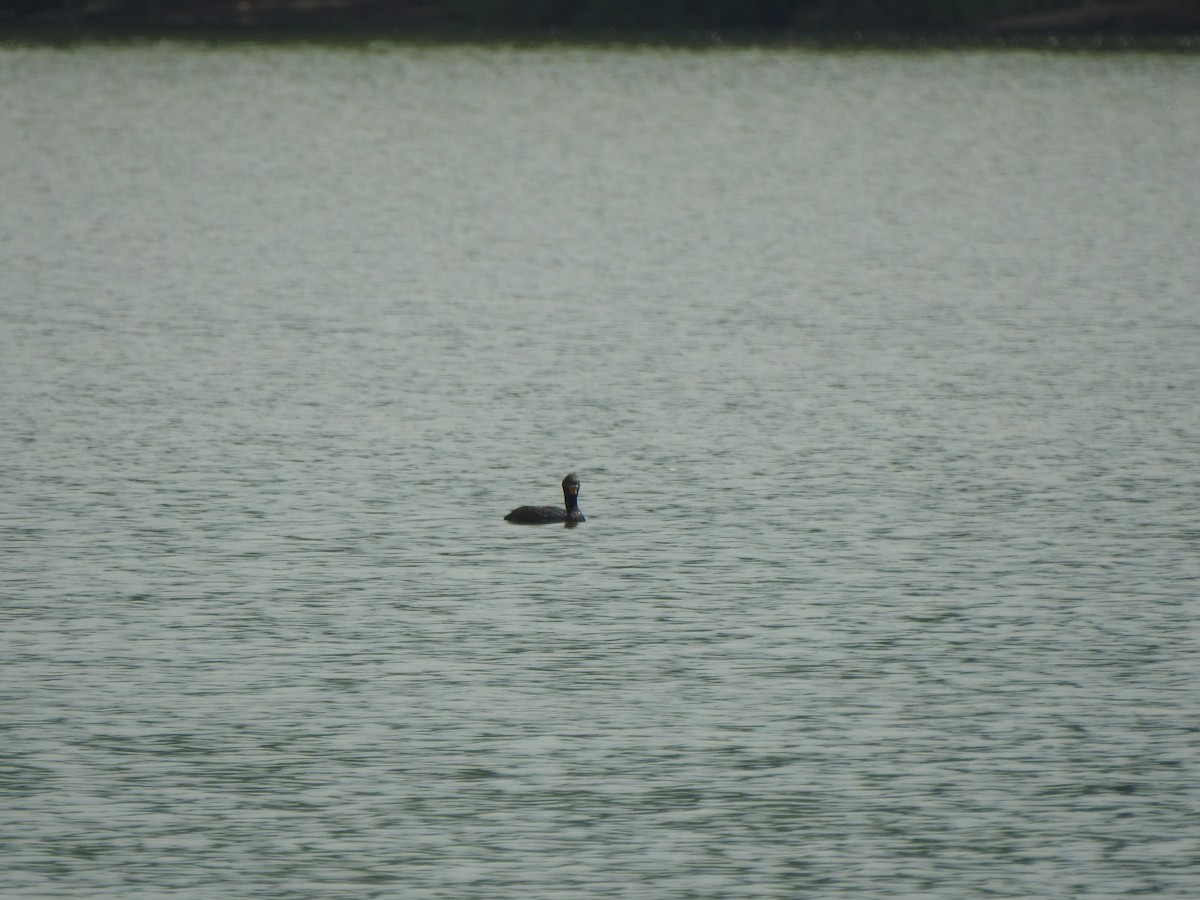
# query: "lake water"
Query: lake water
{"points": [[881, 372]]}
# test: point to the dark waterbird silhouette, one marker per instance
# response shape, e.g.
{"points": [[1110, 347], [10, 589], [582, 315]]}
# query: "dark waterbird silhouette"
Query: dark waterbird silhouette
{"points": [[545, 515]]}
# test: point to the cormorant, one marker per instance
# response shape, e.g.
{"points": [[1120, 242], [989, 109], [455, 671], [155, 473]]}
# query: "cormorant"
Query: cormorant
{"points": [[544, 515]]}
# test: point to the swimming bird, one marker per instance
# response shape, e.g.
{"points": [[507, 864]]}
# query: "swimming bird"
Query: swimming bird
{"points": [[544, 515]]}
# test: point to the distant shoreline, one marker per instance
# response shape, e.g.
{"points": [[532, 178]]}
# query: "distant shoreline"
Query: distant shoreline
{"points": [[1170, 22]]}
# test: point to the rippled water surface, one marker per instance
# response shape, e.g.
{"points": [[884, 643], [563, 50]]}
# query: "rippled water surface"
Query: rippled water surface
{"points": [[880, 373]]}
